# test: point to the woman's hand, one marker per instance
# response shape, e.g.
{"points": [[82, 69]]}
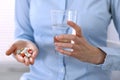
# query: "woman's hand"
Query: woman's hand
{"points": [[20, 44], [81, 49]]}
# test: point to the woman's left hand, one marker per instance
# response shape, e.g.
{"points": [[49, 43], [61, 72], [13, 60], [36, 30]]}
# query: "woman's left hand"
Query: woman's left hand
{"points": [[81, 49]]}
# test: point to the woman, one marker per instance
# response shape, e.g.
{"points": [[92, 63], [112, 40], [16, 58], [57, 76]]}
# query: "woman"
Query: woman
{"points": [[90, 59]]}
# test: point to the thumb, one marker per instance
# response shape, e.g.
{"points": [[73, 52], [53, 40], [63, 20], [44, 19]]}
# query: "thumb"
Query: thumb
{"points": [[76, 28], [10, 50]]}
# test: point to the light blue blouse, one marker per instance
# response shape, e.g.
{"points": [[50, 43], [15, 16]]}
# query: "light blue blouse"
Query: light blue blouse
{"points": [[33, 22]]}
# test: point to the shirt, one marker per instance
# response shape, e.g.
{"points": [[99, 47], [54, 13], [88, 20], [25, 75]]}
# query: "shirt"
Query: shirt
{"points": [[33, 22]]}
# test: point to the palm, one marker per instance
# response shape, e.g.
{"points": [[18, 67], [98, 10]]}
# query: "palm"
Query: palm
{"points": [[23, 44]]}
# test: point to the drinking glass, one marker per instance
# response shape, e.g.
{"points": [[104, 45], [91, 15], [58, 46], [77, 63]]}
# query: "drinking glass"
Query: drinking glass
{"points": [[59, 20]]}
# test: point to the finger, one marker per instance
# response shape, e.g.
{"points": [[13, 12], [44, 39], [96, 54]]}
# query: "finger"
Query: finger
{"points": [[70, 38], [65, 52], [19, 58], [65, 45], [31, 60], [27, 62], [34, 54], [61, 40], [11, 50], [76, 27]]}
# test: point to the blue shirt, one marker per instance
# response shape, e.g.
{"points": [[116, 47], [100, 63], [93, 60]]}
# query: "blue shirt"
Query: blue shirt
{"points": [[33, 22]]}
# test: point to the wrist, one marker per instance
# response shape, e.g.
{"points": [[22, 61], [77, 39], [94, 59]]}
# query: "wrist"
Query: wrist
{"points": [[101, 57]]}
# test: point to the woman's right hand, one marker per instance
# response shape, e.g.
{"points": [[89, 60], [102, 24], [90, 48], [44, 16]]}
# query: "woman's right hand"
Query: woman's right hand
{"points": [[18, 45]]}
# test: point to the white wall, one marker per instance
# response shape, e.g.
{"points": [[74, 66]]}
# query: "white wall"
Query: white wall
{"points": [[6, 26], [113, 38]]}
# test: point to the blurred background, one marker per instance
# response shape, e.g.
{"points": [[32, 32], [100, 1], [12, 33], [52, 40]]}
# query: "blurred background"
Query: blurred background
{"points": [[10, 69]]}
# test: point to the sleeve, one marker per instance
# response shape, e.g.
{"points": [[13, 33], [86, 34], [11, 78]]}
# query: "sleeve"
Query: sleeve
{"points": [[23, 29], [112, 60]]}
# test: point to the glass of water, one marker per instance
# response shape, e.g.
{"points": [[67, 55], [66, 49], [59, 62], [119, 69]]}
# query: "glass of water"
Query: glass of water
{"points": [[59, 20]]}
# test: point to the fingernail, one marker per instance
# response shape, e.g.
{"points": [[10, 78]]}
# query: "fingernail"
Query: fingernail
{"points": [[56, 37]]}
